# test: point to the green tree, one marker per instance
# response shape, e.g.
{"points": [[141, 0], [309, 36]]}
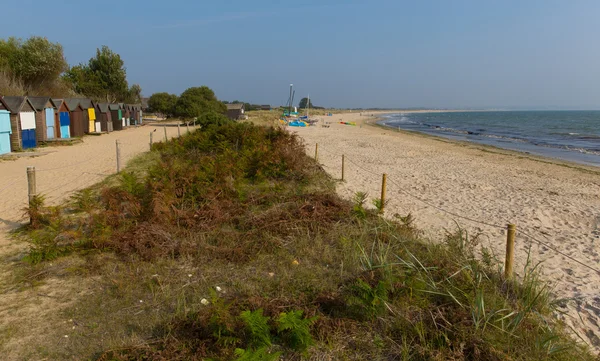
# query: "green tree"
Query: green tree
{"points": [[8, 50], [134, 94], [304, 102], [163, 103], [102, 78], [196, 101], [34, 63]]}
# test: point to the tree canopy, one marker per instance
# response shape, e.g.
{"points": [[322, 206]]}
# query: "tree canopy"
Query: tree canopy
{"points": [[104, 77], [304, 102], [163, 103], [196, 101], [31, 66]]}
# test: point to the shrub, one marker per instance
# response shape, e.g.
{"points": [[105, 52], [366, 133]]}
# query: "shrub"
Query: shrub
{"points": [[212, 118]]}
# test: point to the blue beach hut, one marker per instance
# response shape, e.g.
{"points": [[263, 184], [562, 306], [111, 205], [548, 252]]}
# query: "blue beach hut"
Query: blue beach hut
{"points": [[64, 118], [22, 122], [5, 129]]}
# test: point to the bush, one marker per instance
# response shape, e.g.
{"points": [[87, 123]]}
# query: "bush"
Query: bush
{"points": [[212, 118]]}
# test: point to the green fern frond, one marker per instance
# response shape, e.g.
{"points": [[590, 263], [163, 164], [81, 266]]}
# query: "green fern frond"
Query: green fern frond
{"points": [[258, 326]]}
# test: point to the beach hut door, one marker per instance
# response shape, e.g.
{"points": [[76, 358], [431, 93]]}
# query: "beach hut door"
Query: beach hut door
{"points": [[65, 121], [49, 123], [28, 129], [5, 131]]}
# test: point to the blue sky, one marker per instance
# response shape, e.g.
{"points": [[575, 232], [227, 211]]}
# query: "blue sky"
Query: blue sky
{"points": [[456, 54]]}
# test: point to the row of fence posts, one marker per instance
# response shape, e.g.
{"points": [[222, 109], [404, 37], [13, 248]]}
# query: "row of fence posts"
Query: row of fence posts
{"points": [[511, 228], [165, 129]]}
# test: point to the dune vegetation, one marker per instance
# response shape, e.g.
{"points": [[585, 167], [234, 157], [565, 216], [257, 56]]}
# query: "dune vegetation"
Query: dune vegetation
{"points": [[231, 244]]}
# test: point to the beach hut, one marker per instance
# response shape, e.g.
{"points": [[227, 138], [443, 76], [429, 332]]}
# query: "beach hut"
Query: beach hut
{"points": [[62, 117], [45, 123], [5, 128], [123, 120], [135, 116], [104, 117], [235, 111], [22, 122], [77, 126], [89, 115], [127, 114], [116, 113]]}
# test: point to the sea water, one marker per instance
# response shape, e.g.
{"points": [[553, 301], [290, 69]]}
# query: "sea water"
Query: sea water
{"points": [[567, 135]]}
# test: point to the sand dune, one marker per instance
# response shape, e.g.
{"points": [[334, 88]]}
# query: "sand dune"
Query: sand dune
{"points": [[554, 202]]}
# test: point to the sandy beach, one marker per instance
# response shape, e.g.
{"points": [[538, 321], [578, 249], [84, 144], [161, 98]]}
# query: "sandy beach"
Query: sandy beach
{"points": [[483, 188]]}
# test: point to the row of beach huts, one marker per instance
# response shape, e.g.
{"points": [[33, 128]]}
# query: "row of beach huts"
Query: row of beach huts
{"points": [[27, 121]]}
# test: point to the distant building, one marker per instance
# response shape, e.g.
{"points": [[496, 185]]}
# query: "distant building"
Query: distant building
{"points": [[265, 107], [235, 111]]}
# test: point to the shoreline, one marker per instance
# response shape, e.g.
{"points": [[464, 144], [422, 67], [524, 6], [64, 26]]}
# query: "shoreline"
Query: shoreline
{"points": [[557, 154], [373, 122], [553, 200]]}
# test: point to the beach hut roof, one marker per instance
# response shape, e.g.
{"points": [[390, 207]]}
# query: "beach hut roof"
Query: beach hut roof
{"points": [[15, 104], [73, 103], [235, 106], [59, 102], [85, 102], [103, 107], [114, 107], [39, 103], [4, 105]]}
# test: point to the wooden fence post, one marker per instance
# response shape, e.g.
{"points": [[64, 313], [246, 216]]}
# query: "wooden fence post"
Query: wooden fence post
{"points": [[150, 140], [383, 188], [178, 130], [165, 128], [510, 251], [317, 152], [343, 167], [31, 186], [118, 156], [187, 124]]}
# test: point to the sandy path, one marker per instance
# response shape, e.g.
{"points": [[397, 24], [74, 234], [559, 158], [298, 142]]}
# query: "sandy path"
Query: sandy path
{"points": [[554, 203], [62, 170]]}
